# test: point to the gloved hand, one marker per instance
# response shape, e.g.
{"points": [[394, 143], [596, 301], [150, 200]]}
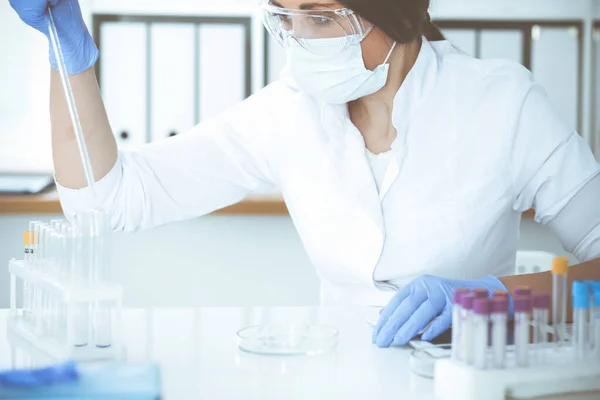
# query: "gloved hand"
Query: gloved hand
{"points": [[419, 302], [61, 373], [77, 45]]}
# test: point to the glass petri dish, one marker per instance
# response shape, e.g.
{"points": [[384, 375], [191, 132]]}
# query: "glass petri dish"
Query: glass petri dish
{"points": [[422, 361], [287, 339]]}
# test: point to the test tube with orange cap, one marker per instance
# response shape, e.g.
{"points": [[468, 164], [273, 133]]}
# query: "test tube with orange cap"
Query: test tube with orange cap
{"points": [[28, 246], [560, 266]]}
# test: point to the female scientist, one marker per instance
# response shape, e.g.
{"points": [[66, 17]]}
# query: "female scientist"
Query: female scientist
{"points": [[404, 163]]}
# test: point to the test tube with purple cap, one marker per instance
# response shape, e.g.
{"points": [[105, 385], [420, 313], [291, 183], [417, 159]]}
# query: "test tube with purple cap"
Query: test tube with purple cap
{"points": [[480, 326], [522, 311]]}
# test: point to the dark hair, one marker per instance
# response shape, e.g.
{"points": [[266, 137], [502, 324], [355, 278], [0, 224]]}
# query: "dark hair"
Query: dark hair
{"points": [[401, 20]]}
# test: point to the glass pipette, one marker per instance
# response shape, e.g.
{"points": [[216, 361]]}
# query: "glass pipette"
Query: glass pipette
{"points": [[62, 69]]}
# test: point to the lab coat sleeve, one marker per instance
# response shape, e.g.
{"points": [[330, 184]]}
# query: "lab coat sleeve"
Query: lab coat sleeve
{"points": [[577, 225], [550, 162], [216, 164]]}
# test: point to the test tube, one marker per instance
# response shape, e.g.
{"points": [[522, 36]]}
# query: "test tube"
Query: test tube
{"points": [[541, 303], [35, 265], [522, 311], [81, 268], [100, 275], [480, 293], [480, 326], [595, 320], [456, 322], [44, 250], [560, 267], [466, 334], [27, 244], [499, 318], [581, 303]]}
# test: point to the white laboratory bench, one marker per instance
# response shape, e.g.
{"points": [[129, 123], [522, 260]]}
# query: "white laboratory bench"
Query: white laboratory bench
{"points": [[197, 351]]}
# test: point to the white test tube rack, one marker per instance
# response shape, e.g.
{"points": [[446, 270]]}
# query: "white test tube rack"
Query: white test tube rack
{"points": [[553, 372], [22, 333]]}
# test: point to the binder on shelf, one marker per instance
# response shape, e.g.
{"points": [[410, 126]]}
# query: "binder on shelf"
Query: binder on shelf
{"points": [[506, 44], [123, 79], [172, 77], [558, 75], [222, 68]]}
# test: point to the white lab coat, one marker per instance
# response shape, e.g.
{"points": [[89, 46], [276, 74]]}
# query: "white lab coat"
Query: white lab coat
{"points": [[478, 143]]}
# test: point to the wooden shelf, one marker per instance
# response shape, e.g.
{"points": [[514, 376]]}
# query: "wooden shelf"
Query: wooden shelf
{"points": [[48, 203]]}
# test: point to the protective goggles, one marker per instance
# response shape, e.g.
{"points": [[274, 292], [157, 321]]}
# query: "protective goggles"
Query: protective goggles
{"points": [[289, 26]]}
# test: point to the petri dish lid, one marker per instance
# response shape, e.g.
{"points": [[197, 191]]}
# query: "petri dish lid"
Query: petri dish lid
{"points": [[287, 339]]}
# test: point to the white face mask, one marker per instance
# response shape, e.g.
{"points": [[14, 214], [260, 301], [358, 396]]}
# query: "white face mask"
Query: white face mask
{"points": [[334, 76]]}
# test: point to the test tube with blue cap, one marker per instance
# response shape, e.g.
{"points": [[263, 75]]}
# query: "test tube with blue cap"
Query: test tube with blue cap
{"points": [[595, 320], [581, 304]]}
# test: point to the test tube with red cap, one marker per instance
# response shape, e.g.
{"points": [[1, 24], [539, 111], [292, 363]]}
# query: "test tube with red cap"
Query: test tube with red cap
{"points": [[522, 311], [499, 317], [480, 293], [457, 322], [480, 325]]}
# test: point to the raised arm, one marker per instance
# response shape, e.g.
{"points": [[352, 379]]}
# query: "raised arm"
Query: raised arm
{"points": [[216, 164]]}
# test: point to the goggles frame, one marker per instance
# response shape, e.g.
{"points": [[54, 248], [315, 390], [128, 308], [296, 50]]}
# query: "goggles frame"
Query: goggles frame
{"points": [[358, 30]]}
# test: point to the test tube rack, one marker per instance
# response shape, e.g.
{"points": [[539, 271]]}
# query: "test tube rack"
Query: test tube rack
{"points": [[555, 372], [22, 333]]}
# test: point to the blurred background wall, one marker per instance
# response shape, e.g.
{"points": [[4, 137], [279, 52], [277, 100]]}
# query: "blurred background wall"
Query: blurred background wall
{"points": [[167, 65]]}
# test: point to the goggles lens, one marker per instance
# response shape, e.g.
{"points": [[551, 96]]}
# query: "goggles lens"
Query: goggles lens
{"points": [[290, 26]]}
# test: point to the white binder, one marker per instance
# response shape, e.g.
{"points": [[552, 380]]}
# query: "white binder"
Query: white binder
{"points": [[502, 43], [172, 76], [463, 39], [222, 68], [123, 77], [596, 112], [555, 55]]}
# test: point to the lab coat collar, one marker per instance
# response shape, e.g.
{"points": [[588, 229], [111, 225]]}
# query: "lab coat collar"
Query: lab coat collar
{"points": [[417, 86]]}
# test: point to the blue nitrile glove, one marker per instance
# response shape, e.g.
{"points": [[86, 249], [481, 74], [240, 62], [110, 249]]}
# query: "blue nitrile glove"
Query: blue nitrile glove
{"points": [[77, 45], [419, 302], [33, 378]]}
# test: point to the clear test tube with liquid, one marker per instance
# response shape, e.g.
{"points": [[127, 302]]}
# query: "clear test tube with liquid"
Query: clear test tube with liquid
{"points": [[102, 328], [541, 303], [83, 253]]}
